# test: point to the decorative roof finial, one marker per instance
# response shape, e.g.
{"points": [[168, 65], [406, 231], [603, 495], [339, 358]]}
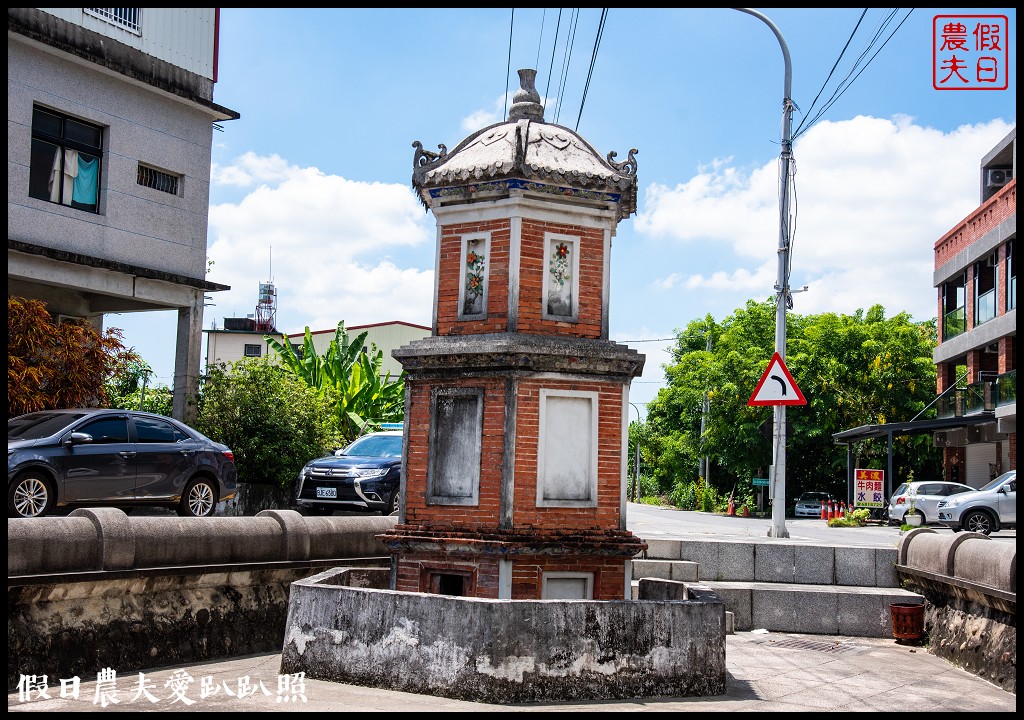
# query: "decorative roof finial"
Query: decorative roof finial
{"points": [[526, 101]]}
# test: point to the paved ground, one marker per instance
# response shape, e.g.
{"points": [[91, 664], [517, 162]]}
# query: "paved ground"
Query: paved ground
{"points": [[766, 672]]}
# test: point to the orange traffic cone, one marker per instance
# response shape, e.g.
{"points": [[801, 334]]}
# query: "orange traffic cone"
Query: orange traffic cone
{"points": [[842, 509], [732, 508], [831, 511], [824, 511]]}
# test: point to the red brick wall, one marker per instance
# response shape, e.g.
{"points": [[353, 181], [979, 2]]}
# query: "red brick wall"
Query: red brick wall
{"points": [[533, 264], [525, 511], [451, 274], [527, 574], [415, 569], [609, 459], [999, 207], [468, 517]]}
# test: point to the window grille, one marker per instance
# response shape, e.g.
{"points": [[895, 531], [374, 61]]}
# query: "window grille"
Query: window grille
{"points": [[252, 350], [164, 182], [128, 18]]}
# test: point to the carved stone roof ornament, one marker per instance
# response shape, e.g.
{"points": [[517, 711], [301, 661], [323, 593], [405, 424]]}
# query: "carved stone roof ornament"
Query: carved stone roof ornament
{"points": [[525, 153]]}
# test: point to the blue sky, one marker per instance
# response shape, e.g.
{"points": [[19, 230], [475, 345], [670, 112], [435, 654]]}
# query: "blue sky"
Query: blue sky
{"points": [[311, 186]]}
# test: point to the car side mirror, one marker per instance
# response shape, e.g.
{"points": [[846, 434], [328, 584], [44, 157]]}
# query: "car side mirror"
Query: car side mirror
{"points": [[78, 438]]}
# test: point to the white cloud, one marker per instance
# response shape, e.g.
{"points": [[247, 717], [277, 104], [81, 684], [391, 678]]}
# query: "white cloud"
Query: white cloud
{"points": [[250, 169], [871, 197], [325, 243]]}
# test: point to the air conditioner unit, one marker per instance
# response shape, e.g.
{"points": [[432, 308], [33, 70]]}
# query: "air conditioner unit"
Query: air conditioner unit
{"points": [[997, 177]]}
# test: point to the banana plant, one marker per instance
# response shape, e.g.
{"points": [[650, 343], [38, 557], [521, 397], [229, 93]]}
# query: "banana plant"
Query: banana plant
{"points": [[363, 399]]}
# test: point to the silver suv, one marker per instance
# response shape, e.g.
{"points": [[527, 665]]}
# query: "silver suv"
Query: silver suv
{"points": [[993, 507]]}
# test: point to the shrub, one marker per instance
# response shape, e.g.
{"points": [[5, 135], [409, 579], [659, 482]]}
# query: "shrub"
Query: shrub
{"points": [[273, 422]]}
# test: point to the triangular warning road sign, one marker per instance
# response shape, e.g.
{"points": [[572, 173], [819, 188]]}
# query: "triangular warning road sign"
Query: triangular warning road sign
{"points": [[777, 386]]}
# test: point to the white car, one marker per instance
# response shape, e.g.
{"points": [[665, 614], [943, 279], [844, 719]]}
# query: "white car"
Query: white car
{"points": [[991, 508], [809, 504], [924, 497]]}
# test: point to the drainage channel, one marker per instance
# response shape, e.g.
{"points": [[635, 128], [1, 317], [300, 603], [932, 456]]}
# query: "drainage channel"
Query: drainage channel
{"points": [[802, 644]]}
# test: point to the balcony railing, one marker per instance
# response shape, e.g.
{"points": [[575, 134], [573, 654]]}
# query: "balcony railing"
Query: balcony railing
{"points": [[954, 323], [985, 307], [951, 404], [978, 397], [1006, 388]]}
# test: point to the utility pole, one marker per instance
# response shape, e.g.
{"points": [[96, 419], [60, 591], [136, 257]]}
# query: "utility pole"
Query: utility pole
{"points": [[705, 461], [778, 474], [636, 457]]}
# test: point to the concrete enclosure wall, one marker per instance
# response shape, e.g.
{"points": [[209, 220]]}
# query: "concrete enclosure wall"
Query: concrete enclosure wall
{"points": [[100, 589], [505, 651]]}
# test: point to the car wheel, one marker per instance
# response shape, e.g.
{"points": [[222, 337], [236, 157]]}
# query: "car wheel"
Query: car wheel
{"points": [[393, 503], [978, 521], [30, 495], [199, 498]]}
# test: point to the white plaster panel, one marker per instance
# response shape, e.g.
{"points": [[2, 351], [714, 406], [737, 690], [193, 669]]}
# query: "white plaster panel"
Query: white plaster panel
{"points": [[567, 453]]}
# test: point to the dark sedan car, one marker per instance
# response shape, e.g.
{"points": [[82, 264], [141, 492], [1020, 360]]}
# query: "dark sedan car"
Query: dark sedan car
{"points": [[365, 476], [92, 457]]}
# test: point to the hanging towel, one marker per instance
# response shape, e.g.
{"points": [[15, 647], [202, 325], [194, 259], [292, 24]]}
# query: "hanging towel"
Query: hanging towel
{"points": [[85, 182]]}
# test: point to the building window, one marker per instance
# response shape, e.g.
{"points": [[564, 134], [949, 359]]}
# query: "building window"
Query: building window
{"points": [[954, 299], [567, 586], [561, 284], [1011, 277], [473, 287], [456, 433], [986, 279], [66, 160], [128, 18], [252, 350], [157, 179], [567, 449]]}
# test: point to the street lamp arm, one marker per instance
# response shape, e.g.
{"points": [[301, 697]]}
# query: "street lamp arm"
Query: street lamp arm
{"points": [[788, 85]]}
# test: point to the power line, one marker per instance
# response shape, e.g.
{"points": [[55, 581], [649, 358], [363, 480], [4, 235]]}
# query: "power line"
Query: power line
{"points": [[554, 46], [850, 77], [593, 60], [508, 64], [570, 42]]}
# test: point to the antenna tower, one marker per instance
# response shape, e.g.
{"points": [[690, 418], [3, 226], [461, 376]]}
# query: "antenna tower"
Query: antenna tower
{"points": [[266, 306]]}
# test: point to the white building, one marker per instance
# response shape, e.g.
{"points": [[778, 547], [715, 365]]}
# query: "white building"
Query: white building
{"points": [[239, 338], [110, 119]]}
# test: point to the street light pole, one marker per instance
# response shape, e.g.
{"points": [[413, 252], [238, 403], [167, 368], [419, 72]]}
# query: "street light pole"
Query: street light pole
{"points": [[778, 480]]}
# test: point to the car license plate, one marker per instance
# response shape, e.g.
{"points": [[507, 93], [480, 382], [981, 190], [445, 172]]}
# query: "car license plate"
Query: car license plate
{"points": [[328, 493]]}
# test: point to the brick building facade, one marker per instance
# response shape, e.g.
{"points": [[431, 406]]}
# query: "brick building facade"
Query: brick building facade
{"points": [[976, 282], [517, 405]]}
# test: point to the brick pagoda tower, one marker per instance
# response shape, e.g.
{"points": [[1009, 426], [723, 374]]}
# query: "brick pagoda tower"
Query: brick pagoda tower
{"points": [[517, 405]]}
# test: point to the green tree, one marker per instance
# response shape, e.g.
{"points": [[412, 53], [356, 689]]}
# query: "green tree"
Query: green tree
{"points": [[128, 387], [362, 399], [854, 370], [273, 422]]}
